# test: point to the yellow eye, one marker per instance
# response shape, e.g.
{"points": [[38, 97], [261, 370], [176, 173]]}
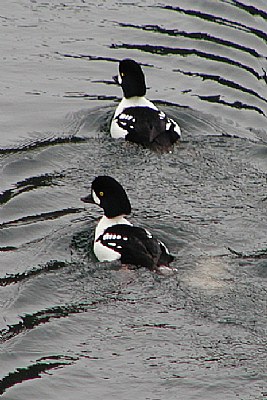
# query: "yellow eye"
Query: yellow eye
{"points": [[101, 194], [122, 74]]}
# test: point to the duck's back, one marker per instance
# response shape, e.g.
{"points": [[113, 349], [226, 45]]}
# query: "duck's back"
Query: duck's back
{"points": [[139, 120]]}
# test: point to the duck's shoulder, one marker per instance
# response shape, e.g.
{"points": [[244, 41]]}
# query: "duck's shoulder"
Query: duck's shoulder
{"points": [[134, 102], [105, 223]]}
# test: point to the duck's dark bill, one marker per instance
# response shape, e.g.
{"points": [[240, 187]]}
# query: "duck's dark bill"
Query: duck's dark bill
{"points": [[116, 79], [87, 199]]}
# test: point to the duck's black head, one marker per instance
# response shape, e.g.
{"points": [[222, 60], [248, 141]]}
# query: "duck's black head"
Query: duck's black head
{"points": [[109, 195], [131, 78]]}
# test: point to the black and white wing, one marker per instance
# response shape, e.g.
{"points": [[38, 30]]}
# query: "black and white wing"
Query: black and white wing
{"points": [[136, 246], [147, 126]]}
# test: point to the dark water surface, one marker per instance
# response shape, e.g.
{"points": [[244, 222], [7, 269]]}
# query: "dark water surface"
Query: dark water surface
{"points": [[91, 331]]}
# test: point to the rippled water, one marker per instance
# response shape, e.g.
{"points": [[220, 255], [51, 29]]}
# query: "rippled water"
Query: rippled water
{"points": [[91, 331]]}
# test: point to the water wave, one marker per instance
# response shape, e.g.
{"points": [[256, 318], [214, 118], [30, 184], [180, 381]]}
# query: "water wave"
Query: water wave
{"points": [[35, 370]]}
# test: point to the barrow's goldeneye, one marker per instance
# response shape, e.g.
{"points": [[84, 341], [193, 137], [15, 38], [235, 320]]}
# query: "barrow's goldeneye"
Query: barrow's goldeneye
{"points": [[116, 238], [137, 119]]}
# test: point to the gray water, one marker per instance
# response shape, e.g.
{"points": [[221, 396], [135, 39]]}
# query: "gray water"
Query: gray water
{"points": [[71, 327]]}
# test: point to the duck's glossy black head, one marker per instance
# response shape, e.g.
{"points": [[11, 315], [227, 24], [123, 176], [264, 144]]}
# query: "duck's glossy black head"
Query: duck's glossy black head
{"points": [[131, 78], [109, 195]]}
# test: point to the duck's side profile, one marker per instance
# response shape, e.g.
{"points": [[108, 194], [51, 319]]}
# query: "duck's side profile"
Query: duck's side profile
{"points": [[116, 238], [137, 119]]}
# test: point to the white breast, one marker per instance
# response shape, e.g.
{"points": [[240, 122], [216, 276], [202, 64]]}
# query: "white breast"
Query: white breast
{"points": [[104, 253]]}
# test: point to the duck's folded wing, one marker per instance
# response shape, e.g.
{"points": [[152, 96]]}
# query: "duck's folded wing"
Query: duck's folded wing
{"points": [[136, 245], [145, 125]]}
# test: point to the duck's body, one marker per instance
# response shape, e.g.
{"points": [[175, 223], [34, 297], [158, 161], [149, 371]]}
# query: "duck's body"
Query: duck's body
{"points": [[136, 118], [116, 238]]}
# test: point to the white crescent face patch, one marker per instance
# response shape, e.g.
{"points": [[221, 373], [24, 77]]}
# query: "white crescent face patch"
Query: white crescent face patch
{"points": [[95, 198]]}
